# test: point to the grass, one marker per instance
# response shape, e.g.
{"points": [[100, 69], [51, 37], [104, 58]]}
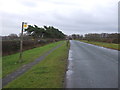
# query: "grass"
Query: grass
{"points": [[49, 73], [107, 45], [9, 62], [0, 67]]}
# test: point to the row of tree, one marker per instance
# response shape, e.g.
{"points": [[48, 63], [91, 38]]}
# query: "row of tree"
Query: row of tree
{"points": [[103, 37], [44, 32], [35, 32]]}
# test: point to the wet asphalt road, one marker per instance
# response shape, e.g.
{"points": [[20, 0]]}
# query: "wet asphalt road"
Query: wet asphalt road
{"points": [[91, 66]]}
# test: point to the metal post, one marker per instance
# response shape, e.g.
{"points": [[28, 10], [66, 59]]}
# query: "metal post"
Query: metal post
{"points": [[21, 44]]}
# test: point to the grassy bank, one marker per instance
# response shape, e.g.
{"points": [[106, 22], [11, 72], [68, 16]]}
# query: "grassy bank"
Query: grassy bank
{"points": [[107, 45], [49, 73], [9, 62]]}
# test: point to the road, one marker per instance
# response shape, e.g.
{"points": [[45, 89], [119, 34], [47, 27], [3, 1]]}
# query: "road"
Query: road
{"points": [[91, 66]]}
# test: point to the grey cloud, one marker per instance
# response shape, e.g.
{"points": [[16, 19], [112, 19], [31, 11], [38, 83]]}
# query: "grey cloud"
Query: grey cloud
{"points": [[61, 2], [27, 3], [101, 19]]}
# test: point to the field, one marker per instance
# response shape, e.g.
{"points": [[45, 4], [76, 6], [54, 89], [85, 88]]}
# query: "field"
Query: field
{"points": [[49, 73], [9, 62], [107, 45]]}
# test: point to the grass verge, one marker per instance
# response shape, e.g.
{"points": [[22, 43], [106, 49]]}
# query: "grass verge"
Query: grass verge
{"points": [[107, 45], [49, 73], [9, 62]]}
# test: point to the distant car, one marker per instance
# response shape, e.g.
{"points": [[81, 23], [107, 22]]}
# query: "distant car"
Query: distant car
{"points": [[70, 38]]}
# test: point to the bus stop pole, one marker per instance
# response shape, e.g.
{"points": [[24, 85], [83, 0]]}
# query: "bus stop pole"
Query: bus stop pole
{"points": [[21, 43]]}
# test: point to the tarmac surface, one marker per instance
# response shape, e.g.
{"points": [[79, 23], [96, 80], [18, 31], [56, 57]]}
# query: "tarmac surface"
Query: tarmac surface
{"points": [[91, 66]]}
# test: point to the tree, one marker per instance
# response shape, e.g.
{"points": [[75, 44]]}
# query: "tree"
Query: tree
{"points": [[35, 31], [47, 32], [13, 36], [52, 32]]}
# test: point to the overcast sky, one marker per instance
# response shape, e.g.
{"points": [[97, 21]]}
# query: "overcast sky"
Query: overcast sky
{"points": [[70, 16]]}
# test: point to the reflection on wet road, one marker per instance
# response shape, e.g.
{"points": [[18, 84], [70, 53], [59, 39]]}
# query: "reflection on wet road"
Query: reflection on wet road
{"points": [[91, 66]]}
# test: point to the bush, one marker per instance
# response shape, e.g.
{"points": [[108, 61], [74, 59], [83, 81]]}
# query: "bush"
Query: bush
{"points": [[10, 47], [13, 46]]}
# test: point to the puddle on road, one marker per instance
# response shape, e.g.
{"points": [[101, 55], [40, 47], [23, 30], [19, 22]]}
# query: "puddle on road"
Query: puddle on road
{"points": [[70, 65], [70, 55], [69, 72]]}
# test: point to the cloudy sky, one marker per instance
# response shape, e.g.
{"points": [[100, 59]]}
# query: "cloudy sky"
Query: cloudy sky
{"points": [[70, 16]]}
